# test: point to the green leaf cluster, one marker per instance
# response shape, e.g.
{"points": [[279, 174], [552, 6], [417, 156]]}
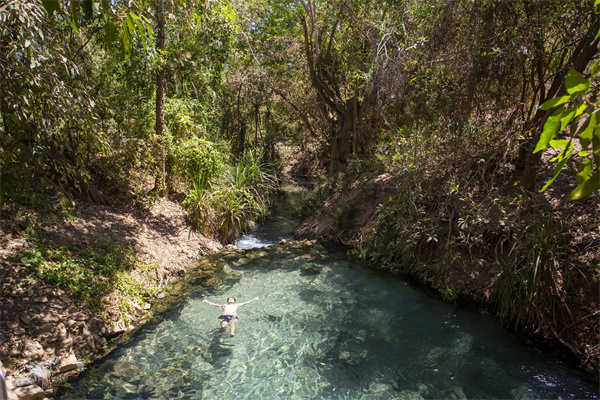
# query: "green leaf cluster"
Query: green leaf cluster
{"points": [[45, 120], [119, 25], [196, 160], [225, 200], [579, 111]]}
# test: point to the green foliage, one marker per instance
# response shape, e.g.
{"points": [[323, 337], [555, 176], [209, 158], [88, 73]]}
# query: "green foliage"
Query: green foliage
{"points": [[196, 160], [178, 119], [243, 195], [579, 110], [187, 117], [344, 217], [93, 273], [325, 187], [359, 168], [403, 232], [197, 203], [225, 200], [235, 209], [198, 163], [312, 202], [44, 125], [448, 294], [113, 16], [528, 292]]}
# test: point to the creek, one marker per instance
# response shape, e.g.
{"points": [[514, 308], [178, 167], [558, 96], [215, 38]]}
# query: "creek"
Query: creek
{"points": [[325, 327]]}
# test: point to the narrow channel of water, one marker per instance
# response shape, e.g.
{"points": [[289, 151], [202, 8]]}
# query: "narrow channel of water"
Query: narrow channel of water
{"points": [[324, 328], [278, 225]]}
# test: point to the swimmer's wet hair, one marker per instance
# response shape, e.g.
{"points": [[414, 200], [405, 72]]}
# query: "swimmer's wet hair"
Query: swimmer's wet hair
{"points": [[231, 298]]}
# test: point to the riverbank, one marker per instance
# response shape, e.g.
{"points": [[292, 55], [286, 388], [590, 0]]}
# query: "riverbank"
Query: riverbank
{"points": [[294, 342], [533, 262], [45, 324]]}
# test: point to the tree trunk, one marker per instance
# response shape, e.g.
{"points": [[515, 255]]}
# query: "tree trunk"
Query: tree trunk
{"points": [[160, 98], [241, 125], [256, 125], [344, 134], [241, 139], [330, 98]]}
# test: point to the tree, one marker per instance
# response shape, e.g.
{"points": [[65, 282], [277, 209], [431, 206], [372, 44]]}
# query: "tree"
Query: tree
{"points": [[355, 53], [43, 120], [160, 95], [327, 77], [48, 117]]}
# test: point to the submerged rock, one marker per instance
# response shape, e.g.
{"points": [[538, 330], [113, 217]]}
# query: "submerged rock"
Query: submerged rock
{"points": [[311, 269], [522, 393], [409, 395], [455, 393], [127, 371], [383, 390], [273, 318]]}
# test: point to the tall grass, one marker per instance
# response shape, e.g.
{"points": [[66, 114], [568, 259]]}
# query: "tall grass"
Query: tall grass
{"points": [[197, 201], [529, 290]]}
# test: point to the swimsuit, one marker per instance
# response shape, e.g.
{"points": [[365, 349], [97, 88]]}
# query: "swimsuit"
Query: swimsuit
{"points": [[227, 318]]}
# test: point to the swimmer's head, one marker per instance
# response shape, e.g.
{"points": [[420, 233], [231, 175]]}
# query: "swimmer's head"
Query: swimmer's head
{"points": [[231, 300]]}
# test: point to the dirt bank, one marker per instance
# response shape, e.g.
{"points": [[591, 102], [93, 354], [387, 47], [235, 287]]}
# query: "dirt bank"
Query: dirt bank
{"points": [[571, 323], [48, 325]]}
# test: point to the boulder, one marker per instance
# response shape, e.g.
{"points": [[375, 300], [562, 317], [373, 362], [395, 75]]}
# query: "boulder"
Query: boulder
{"points": [[114, 330], [31, 392], [32, 349], [69, 364]]}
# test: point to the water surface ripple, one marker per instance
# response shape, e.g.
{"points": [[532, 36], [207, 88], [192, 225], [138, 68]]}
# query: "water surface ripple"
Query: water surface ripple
{"points": [[325, 328]]}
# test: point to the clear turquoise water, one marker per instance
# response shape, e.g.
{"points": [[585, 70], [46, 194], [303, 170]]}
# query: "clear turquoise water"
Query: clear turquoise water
{"points": [[324, 328]]}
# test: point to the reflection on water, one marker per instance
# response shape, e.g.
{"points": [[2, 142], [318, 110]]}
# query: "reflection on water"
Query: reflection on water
{"points": [[325, 329]]}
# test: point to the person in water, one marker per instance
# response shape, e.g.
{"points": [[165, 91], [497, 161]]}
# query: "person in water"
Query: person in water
{"points": [[229, 315]]}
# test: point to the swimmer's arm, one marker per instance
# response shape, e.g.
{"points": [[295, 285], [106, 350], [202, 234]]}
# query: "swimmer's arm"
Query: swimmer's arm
{"points": [[247, 302], [212, 304]]}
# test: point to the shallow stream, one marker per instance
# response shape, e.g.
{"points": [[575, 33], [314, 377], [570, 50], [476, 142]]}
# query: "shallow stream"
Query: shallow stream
{"points": [[324, 328]]}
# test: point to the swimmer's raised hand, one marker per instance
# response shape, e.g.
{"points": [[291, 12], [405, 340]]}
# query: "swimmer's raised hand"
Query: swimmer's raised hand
{"points": [[256, 298]]}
